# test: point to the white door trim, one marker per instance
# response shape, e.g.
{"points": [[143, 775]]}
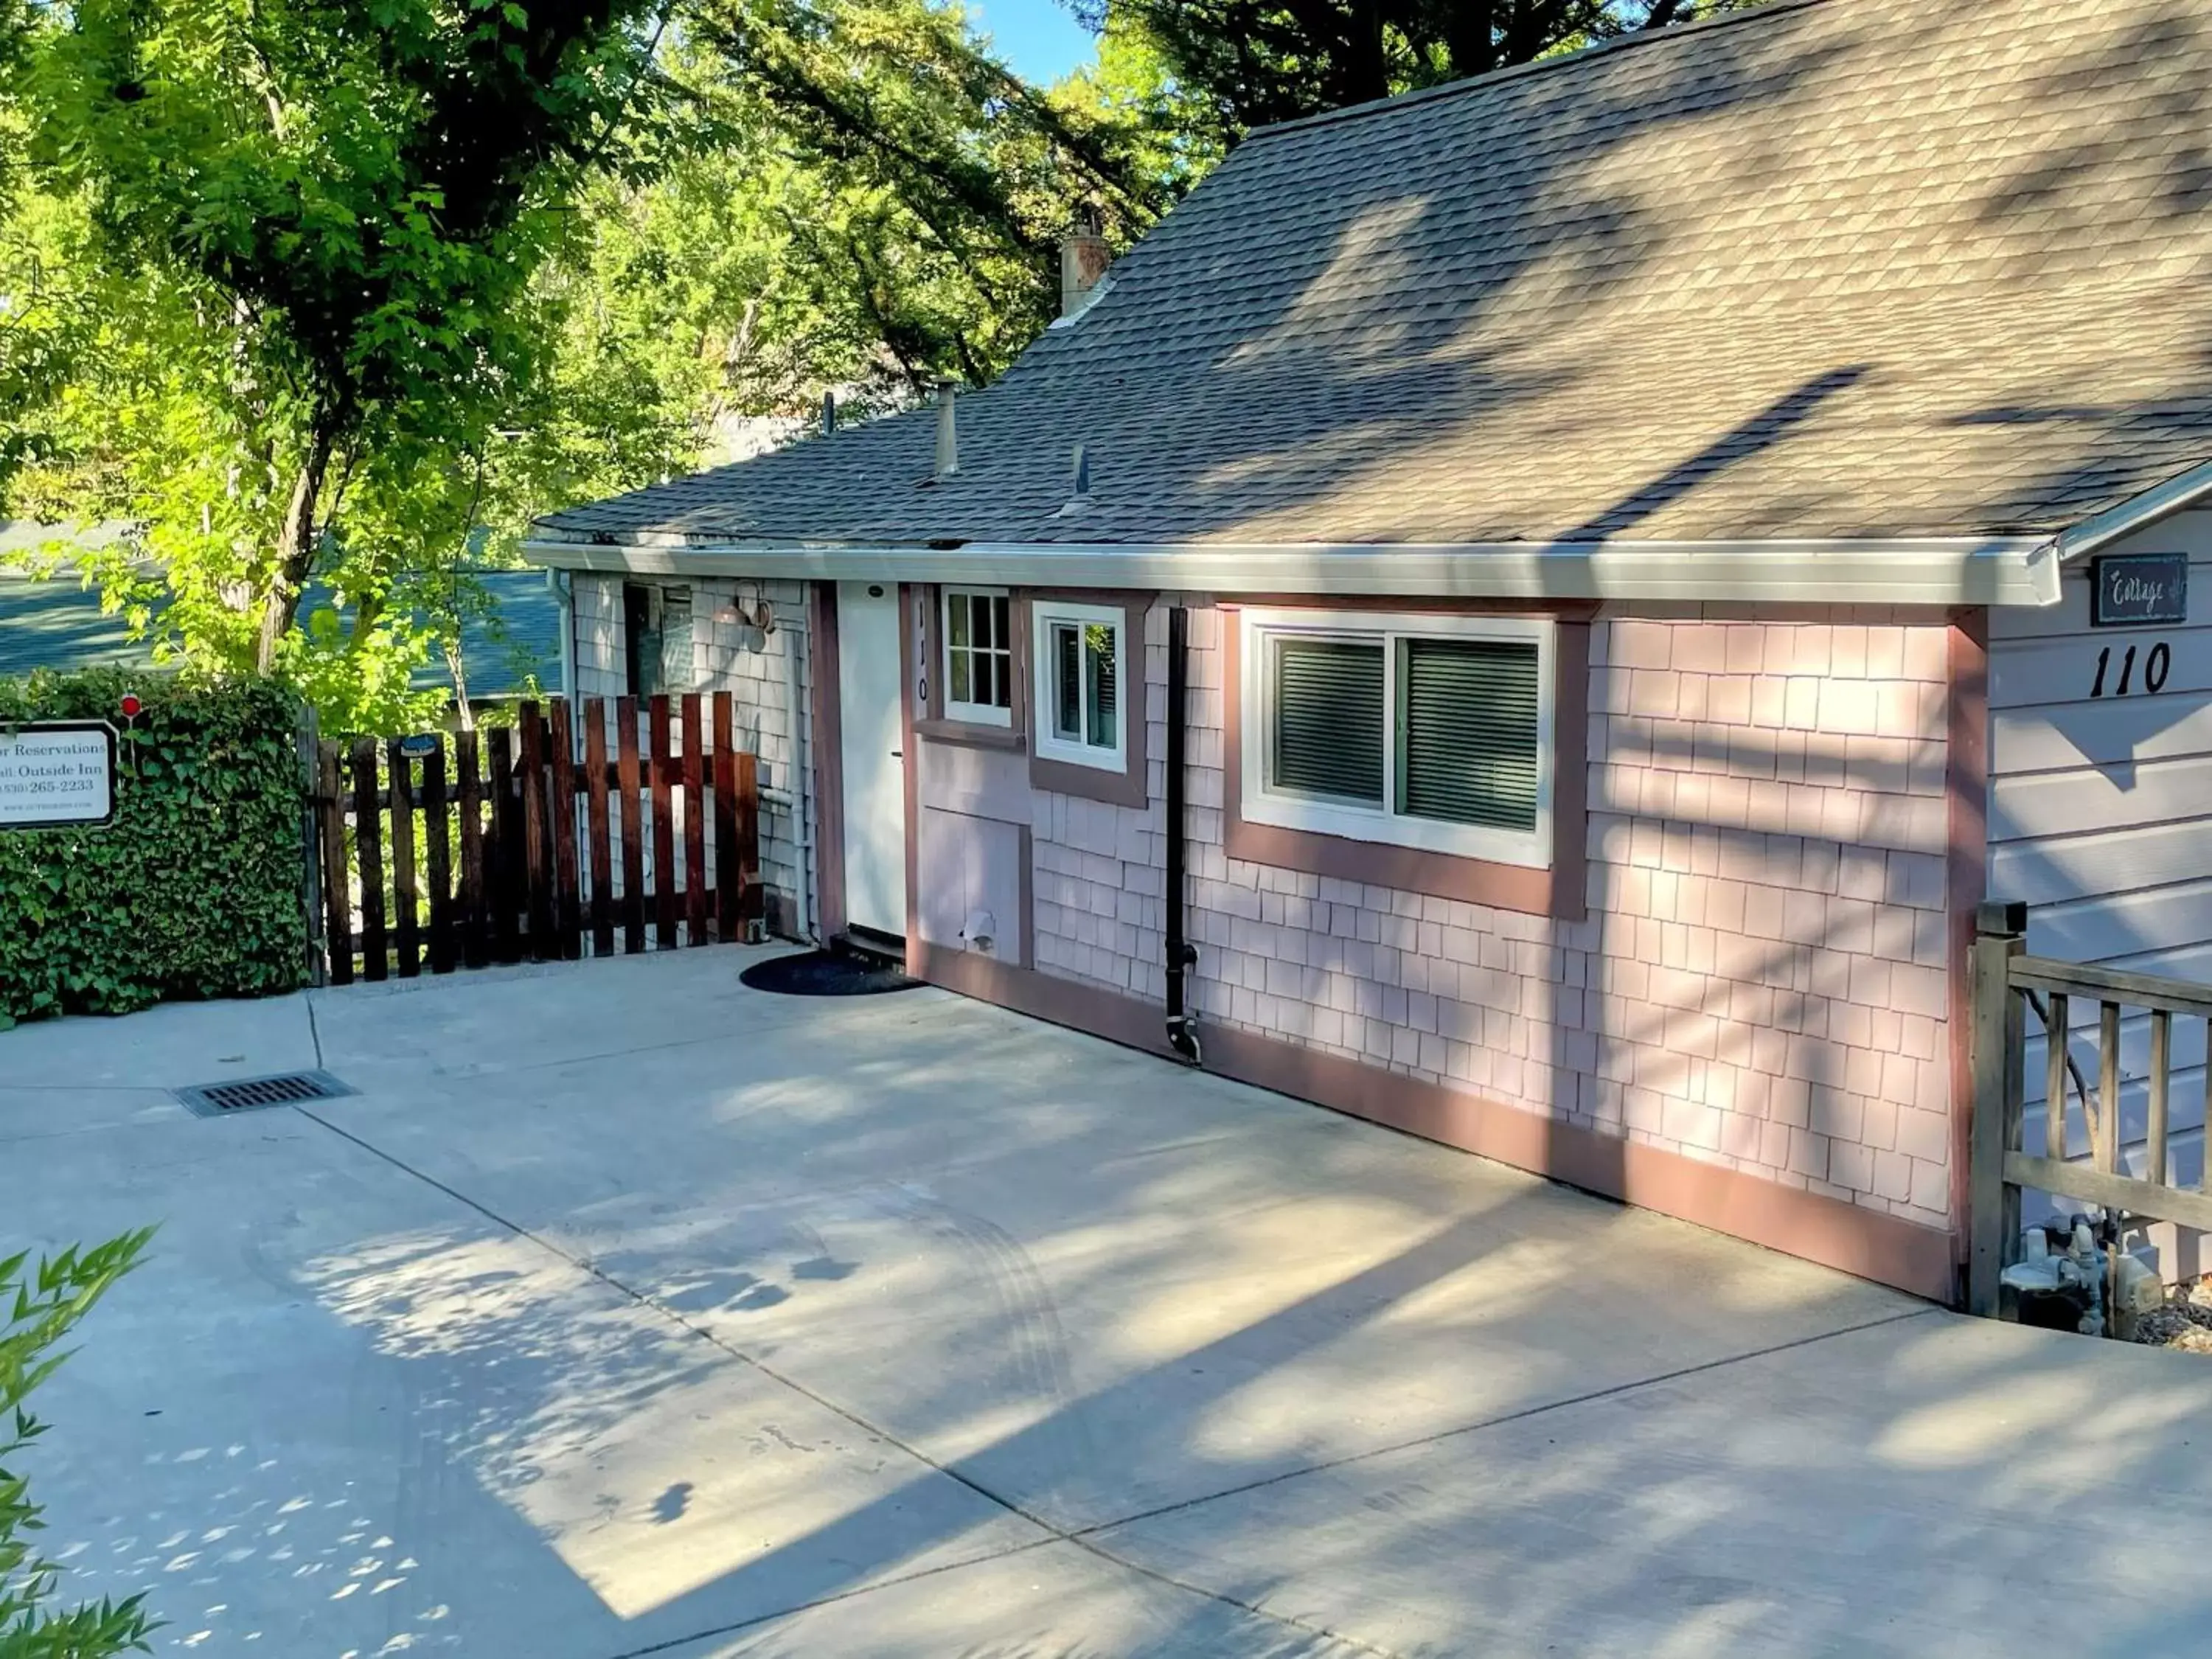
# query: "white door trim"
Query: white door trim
{"points": [[870, 727]]}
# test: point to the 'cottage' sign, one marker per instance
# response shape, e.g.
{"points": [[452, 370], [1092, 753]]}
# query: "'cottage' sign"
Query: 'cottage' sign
{"points": [[2127, 590], [58, 773]]}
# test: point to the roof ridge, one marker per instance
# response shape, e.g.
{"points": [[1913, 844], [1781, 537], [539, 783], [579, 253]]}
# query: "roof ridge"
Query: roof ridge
{"points": [[1644, 37]]}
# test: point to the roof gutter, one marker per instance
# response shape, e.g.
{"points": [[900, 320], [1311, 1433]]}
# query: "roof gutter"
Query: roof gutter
{"points": [[1942, 571], [2101, 530]]}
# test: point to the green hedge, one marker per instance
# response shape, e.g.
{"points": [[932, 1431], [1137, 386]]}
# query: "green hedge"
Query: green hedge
{"points": [[194, 890]]}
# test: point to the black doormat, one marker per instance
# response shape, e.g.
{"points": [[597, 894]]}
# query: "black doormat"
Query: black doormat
{"points": [[825, 974]]}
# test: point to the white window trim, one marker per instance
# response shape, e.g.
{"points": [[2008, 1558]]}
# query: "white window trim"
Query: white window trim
{"points": [[973, 713], [1532, 848], [1043, 613]]}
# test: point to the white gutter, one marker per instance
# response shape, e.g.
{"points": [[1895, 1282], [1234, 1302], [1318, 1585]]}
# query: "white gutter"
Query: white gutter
{"points": [[1940, 571], [2100, 529]]}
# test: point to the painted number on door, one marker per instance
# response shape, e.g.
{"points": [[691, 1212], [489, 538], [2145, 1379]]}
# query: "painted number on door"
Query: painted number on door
{"points": [[2116, 678]]}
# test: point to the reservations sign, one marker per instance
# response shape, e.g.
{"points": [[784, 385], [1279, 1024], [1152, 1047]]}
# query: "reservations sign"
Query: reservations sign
{"points": [[56, 773]]}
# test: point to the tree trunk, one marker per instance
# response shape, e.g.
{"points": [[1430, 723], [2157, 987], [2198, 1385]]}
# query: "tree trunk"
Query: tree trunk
{"points": [[458, 669], [296, 544]]}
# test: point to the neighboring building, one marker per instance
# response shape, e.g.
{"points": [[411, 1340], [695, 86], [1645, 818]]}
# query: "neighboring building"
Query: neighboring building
{"points": [[1632, 516], [55, 622]]}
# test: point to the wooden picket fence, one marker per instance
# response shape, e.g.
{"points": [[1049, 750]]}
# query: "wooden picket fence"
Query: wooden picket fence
{"points": [[465, 849]]}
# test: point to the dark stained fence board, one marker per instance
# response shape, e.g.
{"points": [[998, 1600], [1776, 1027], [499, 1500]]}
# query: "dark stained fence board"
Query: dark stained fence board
{"points": [[633, 826], [437, 831], [475, 918], [729, 889], [337, 896], [596, 826], [664, 829], [368, 808], [752, 893], [504, 877], [537, 841], [406, 894], [565, 878], [495, 871], [695, 827]]}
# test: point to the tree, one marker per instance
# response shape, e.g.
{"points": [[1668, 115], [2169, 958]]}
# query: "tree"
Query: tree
{"points": [[37, 1309], [1248, 62], [892, 199], [298, 338], [315, 228]]}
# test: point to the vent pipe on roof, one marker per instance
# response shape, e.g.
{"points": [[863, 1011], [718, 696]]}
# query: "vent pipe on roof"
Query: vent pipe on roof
{"points": [[1084, 257], [829, 413], [948, 431]]}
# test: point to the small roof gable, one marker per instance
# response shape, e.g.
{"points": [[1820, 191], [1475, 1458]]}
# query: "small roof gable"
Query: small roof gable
{"points": [[1834, 268]]}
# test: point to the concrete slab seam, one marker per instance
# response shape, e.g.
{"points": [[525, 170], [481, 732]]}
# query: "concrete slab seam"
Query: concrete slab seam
{"points": [[674, 1642], [1055, 1534], [1504, 1420]]}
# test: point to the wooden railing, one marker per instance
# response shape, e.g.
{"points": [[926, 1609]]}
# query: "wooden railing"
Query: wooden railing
{"points": [[464, 849], [2011, 987]]}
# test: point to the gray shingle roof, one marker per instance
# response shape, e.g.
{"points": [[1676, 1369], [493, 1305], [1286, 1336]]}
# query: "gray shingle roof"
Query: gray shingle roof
{"points": [[1849, 267]]}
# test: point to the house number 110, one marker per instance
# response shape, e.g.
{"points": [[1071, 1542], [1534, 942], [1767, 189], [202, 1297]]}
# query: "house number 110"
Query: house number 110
{"points": [[2156, 666]]}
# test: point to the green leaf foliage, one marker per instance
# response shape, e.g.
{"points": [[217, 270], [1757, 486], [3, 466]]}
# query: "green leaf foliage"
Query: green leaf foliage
{"points": [[194, 890], [1237, 64], [308, 291], [38, 1307]]}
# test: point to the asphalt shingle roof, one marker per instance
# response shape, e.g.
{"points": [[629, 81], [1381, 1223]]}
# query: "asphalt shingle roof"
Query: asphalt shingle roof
{"points": [[1835, 267]]}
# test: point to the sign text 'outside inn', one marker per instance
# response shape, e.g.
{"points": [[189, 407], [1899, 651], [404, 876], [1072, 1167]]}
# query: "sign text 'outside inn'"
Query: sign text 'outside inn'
{"points": [[56, 773]]}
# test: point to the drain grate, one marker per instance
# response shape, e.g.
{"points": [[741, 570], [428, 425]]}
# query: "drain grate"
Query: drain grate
{"points": [[254, 1094]]}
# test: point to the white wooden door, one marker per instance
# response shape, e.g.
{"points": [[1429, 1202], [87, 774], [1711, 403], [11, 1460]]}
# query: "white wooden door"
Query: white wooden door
{"points": [[872, 742]]}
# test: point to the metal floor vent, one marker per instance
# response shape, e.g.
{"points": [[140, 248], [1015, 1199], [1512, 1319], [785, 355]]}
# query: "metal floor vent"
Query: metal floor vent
{"points": [[254, 1094]]}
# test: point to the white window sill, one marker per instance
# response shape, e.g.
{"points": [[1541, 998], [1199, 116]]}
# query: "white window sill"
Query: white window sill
{"points": [[1081, 754], [1531, 849]]}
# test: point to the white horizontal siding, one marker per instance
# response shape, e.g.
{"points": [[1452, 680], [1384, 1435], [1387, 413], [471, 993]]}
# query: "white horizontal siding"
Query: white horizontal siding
{"points": [[2099, 798], [2028, 673], [2109, 732], [2053, 869], [2100, 820]]}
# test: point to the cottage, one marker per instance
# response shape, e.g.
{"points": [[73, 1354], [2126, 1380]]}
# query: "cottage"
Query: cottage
{"points": [[1536, 610]]}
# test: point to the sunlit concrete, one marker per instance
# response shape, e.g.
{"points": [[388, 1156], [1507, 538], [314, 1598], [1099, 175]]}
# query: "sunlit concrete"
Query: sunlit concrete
{"points": [[625, 1307]]}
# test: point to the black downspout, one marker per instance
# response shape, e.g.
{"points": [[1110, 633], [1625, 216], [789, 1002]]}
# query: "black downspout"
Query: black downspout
{"points": [[1183, 955]]}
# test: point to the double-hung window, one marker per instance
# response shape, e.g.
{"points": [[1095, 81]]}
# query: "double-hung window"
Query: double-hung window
{"points": [[979, 657], [1429, 731], [1081, 657]]}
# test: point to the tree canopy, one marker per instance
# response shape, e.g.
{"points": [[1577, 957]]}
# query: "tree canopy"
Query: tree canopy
{"points": [[320, 292], [1244, 63], [340, 294]]}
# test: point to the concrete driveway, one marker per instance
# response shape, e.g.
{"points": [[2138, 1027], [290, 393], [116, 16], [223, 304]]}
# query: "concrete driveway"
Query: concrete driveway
{"points": [[625, 1311]]}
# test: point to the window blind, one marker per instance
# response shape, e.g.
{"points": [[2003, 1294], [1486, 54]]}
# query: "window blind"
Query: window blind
{"points": [[1099, 643], [1467, 720], [1067, 682], [1327, 734]]}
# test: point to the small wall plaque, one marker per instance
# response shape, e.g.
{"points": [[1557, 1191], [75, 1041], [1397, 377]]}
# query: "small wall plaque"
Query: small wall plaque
{"points": [[2130, 590]]}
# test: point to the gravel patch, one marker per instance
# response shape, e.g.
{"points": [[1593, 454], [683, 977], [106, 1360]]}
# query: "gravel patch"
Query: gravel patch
{"points": [[2184, 1323]]}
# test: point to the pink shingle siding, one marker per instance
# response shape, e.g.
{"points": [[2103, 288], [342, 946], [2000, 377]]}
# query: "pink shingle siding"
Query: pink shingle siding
{"points": [[1760, 981]]}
